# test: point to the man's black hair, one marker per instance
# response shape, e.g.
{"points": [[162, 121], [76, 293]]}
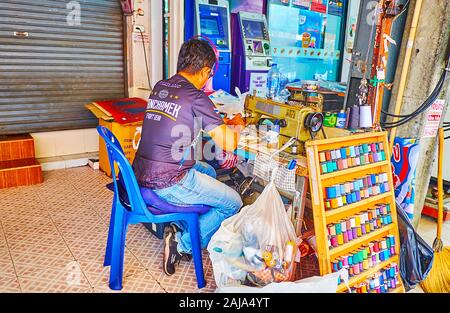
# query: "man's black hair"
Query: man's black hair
{"points": [[194, 55]]}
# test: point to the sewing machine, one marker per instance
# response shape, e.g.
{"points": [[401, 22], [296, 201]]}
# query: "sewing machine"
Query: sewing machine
{"points": [[295, 121]]}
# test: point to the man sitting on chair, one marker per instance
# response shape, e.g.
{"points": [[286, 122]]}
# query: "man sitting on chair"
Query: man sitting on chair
{"points": [[165, 163]]}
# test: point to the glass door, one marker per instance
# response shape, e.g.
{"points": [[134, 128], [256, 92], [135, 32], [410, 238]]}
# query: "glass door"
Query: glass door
{"points": [[307, 37]]}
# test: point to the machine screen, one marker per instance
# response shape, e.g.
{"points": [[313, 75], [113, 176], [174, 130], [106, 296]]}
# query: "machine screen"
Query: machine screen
{"points": [[253, 29], [209, 26]]}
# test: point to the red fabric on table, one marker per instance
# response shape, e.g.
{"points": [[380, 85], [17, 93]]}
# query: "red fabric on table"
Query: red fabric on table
{"points": [[125, 111]]}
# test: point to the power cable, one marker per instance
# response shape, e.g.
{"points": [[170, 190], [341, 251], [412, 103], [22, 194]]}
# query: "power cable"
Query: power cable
{"points": [[146, 62], [422, 108]]}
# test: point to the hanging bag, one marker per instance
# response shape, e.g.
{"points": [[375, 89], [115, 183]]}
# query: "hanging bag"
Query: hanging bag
{"points": [[416, 256]]}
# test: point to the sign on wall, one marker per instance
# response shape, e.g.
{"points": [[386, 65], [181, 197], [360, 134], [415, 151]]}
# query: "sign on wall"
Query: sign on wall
{"points": [[433, 120]]}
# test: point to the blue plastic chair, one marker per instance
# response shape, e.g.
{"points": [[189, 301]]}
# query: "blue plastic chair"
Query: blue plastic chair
{"points": [[129, 208]]}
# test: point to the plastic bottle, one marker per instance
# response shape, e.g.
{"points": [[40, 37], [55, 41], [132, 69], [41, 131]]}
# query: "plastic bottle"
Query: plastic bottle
{"points": [[341, 119], [273, 82]]}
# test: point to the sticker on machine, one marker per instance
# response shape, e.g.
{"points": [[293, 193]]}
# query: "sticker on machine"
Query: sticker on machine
{"points": [[258, 83], [433, 120]]}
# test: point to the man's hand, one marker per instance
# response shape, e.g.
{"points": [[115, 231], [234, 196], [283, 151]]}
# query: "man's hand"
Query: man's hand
{"points": [[226, 137]]}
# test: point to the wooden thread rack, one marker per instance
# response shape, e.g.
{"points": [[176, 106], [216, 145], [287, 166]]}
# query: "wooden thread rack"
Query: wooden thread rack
{"points": [[324, 216]]}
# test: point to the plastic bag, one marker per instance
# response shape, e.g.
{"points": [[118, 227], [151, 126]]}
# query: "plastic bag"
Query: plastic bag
{"points": [[416, 256], [257, 246], [316, 284]]}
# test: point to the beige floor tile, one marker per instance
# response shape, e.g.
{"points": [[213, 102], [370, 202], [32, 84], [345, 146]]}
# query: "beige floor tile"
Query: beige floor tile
{"points": [[85, 230], [50, 248], [3, 242], [62, 280], [98, 275], [28, 263], [148, 251], [81, 224], [6, 263], [16, 210], [88, 249], [21, 224], [138, 232], [32, 236], [142, 282], [9, 283], [73, 214]]}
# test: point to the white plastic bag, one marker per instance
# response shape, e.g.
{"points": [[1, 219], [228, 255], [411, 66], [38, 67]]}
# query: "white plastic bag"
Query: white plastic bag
{"points": [[317, 284], [258, 243]]}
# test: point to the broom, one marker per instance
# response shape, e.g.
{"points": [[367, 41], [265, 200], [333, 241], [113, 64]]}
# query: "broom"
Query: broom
{"points": [[438, 280]]}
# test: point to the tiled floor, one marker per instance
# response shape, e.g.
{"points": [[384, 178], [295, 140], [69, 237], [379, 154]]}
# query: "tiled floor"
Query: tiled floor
{"points": [[53, 236]]}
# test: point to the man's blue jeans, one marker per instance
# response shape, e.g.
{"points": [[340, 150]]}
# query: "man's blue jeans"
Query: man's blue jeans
{"points": [[200, 186]]}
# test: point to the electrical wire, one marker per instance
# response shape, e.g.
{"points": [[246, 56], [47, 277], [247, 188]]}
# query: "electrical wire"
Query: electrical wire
{"points": [[422, 108], [146, 62]]}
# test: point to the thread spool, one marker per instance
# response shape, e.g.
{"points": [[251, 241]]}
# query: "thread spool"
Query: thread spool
{"points": [[350, 235], [340, 239], [333, 154], [338, 229], [374, 258], [332, 230], [330, 167], [342, 187], [322, 157], [355, 233], [345, 260], [344, 164], [391, 239], [331, 192], [344, 226], [334, 241], [362, 160], [365, 118]]}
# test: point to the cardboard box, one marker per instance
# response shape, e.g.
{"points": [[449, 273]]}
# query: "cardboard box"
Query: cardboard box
{"points": [[128, 135]]}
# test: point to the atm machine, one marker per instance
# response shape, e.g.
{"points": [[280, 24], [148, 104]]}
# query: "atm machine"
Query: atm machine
{"points": [[212, 20], [251, 53]]}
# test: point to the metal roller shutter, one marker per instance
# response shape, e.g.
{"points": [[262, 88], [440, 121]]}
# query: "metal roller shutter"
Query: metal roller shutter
{"points": [[49, 69]]}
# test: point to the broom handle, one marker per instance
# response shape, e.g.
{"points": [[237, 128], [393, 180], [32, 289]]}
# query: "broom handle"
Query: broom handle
{"points": [[440, 184]]}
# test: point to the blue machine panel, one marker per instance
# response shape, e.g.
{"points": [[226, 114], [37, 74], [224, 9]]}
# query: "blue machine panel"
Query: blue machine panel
{"points": [[213, 21], [214, 25]]}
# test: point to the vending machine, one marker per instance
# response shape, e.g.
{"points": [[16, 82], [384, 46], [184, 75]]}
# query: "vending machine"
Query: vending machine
{"points": [[212, 20], [251, 53]]}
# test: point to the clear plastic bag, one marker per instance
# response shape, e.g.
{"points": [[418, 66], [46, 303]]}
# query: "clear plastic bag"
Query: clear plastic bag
{"points": [[260, 240]]}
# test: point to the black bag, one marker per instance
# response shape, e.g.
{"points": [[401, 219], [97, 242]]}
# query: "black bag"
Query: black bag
{"points": [[416, 256]]}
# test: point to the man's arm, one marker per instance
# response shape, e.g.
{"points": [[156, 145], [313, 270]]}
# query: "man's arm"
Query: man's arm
{"points": [[226, 137]]}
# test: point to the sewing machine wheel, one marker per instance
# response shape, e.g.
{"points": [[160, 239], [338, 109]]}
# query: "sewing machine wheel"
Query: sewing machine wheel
{"points": [[314, 123]]}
